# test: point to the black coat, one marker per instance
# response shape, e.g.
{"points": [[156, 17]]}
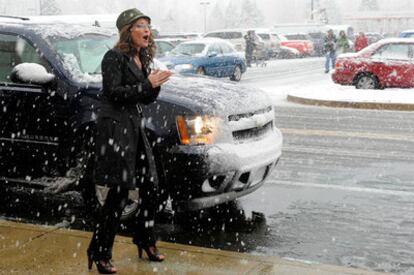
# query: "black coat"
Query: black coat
{"points": [[120, 139], [329, 43]]}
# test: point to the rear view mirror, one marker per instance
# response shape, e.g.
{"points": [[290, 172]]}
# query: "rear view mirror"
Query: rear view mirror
{"points": [[212, 54], [31, 73]]}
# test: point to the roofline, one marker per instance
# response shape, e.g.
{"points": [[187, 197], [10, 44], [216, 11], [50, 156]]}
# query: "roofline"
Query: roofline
{"points": [[15, 17]]}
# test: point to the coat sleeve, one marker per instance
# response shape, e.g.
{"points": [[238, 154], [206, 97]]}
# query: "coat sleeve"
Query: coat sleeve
{"points": [[118, 92]]}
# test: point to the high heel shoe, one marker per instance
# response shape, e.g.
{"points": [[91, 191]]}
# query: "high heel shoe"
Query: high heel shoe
{"points": [[152, 252], [103, 266], [90, 260]]}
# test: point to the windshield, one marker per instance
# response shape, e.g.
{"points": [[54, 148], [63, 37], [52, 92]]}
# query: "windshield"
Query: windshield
{"points": [[82, 56], [370, 49], [264, 36], [189, 49], [317, 35]]}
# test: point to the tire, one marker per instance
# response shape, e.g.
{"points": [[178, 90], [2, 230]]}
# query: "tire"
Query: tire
{"points": [[366, 81], [200, 71], [237, 74]]}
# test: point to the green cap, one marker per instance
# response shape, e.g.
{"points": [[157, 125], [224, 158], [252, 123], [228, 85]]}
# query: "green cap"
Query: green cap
{"points": [[129, 16]]}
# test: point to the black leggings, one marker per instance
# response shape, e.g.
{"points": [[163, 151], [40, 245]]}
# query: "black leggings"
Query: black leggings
{"points": [[109, 215]]}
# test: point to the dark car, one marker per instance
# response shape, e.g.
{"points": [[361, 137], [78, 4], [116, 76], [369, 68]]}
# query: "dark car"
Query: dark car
{"points": [[373, 37], [407, 34], [318, 42], [213, 142]]}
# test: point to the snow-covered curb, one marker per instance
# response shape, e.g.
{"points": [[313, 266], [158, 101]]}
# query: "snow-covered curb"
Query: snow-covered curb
{"points": [[329, 94]]}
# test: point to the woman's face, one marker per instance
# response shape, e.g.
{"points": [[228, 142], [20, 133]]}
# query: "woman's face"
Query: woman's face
{"points": [[140, 33]]}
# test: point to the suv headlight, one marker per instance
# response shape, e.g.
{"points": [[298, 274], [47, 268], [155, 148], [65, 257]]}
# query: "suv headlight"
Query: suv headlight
{"points": [[197, 130]]}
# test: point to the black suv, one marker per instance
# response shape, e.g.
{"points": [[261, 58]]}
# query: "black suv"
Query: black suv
{"points": [[213, 141]]}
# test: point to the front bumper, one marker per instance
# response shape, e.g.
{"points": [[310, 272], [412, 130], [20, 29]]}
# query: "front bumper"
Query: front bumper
{"points": [[205, 176], [343, 77]]}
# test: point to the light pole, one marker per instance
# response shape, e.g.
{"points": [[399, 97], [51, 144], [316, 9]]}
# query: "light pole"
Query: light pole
{"points": [[40, 7], [311, 10], [205, 4]]}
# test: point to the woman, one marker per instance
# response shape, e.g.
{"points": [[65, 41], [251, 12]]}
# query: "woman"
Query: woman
{"points": [[127, 82], [361, 42], [343, 43]]}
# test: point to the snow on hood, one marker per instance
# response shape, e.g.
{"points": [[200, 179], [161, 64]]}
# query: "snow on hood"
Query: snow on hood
{"points": [[213, 96], [348, 55], [71, 65]]}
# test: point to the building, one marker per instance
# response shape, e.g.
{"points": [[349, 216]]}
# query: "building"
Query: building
{"points": [[391, 23]]}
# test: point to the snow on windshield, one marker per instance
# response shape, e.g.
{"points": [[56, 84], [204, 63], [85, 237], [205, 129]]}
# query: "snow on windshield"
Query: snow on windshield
{"points": [[80, 48], [188, 49]]}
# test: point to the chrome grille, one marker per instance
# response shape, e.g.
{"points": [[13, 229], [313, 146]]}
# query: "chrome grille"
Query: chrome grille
{"points": [[252, 133], [250, 114], [251, 125]]}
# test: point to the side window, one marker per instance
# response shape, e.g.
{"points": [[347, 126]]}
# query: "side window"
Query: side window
{"points": [[275, 37], [13, 51], [393, 51], [226, 48], [214, 48], [165, 47]]}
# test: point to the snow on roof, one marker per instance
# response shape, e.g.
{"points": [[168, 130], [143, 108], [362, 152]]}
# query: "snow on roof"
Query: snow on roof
{"points": [[395, 40], [68, 31], [100, 20], [207, 40], [65, 30]]}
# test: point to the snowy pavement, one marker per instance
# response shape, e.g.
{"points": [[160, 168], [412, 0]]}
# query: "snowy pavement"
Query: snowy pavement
{"points": [[305, 79]]}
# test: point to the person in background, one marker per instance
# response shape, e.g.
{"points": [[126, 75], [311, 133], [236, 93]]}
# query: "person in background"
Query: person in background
{"points": [[361, 42], [330, 50], [250, 39], [127, 82], [342, 44]]}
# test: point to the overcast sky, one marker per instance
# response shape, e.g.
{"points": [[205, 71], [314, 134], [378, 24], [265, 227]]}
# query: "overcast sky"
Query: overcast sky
{"points": [[189, 14]]}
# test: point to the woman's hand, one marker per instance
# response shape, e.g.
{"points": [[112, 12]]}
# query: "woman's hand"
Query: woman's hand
{"points": [[158, 77]]}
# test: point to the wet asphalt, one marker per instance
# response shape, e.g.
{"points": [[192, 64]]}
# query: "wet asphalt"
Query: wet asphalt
{"points": [[342, 194]]}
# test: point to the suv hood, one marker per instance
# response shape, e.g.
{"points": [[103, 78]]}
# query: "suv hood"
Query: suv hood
{"points": [[215, 97]]}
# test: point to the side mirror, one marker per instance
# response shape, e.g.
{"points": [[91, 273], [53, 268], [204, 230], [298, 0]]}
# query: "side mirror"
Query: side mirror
{"points": [[212, 54], [31, 73]]}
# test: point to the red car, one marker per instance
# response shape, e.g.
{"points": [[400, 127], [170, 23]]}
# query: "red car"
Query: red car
{"points": [[387, 63], [300, 42]]}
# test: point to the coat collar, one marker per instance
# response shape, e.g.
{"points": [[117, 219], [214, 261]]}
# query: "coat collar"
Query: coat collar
{"points": [[134, 69]]}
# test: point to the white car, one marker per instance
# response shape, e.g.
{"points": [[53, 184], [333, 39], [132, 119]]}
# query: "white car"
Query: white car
{"points": [[236, 37]]}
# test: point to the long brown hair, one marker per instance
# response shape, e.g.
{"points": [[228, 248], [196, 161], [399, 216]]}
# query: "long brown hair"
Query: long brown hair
{"points": [[125, 45]]}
